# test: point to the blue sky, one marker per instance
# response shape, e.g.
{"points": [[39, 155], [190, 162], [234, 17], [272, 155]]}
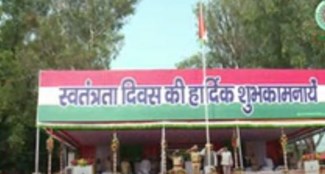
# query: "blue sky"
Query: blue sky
{"points": [[159, 34]]}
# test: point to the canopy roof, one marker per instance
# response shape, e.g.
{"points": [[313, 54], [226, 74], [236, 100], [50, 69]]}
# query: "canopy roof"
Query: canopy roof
{"points": [[174, 137]]}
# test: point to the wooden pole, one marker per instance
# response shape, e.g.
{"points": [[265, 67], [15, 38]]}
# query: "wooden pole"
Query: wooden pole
{"points": [[49, 147], [61, 158], [114, 147], [163, 163], [284, 141]]}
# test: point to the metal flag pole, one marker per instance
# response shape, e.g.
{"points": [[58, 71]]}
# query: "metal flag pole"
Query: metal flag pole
{"points": [[206, 114], [205, 102], [37, 143], [37, 150]]}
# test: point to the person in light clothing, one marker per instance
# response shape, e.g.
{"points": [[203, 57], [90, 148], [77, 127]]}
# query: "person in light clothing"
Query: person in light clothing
{"points": [[213, 159], [145, 166], [226, 160], [125, 167], [195, 159], [178, 162]]}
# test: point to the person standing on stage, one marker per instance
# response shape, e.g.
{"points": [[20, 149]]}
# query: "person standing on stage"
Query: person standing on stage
{"points": [[178, 161], [226, 160], [145, 166], [125, 167], [195, 159], [213, 159]]}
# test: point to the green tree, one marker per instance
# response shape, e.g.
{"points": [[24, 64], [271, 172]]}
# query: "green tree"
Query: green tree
{"points": [[262, 34], [42, 34]]}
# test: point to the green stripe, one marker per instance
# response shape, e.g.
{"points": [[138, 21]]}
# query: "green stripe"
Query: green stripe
{"points": [[172, 112]]}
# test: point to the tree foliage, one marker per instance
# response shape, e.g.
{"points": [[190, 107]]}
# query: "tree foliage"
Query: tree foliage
{"points": [[48, 34], [262, 34]]}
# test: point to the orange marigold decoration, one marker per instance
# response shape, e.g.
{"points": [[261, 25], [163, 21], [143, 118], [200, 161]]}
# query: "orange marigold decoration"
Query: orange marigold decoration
{"points": [[284, 142], [114, 147]]}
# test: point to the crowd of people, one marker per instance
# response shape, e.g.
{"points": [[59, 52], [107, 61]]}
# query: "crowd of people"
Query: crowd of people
{"points": [[200, 161]]}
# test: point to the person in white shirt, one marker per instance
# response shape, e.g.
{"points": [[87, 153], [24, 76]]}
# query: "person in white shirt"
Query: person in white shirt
{"points": [[213, 159], [145, 166], [226, 160]]}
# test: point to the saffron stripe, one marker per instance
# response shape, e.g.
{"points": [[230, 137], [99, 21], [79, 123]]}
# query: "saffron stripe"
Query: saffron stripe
{"points": [[190, 76]]}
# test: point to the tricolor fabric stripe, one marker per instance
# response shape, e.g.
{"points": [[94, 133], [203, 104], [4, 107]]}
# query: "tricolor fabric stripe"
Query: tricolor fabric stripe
{"points": [[201, 25], [166, 77]]}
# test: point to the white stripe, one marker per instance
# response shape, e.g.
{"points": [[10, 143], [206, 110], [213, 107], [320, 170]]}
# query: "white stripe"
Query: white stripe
{"points": [[321, 93], [148, 125], [50, 95]]}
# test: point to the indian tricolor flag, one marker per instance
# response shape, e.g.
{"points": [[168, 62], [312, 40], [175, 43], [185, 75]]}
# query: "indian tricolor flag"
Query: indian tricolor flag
{"points": [[202, 31], [234, 139]]}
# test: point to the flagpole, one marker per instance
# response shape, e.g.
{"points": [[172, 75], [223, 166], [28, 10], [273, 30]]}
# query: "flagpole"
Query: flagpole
{"points": [[37, 150], [206, 113]]}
